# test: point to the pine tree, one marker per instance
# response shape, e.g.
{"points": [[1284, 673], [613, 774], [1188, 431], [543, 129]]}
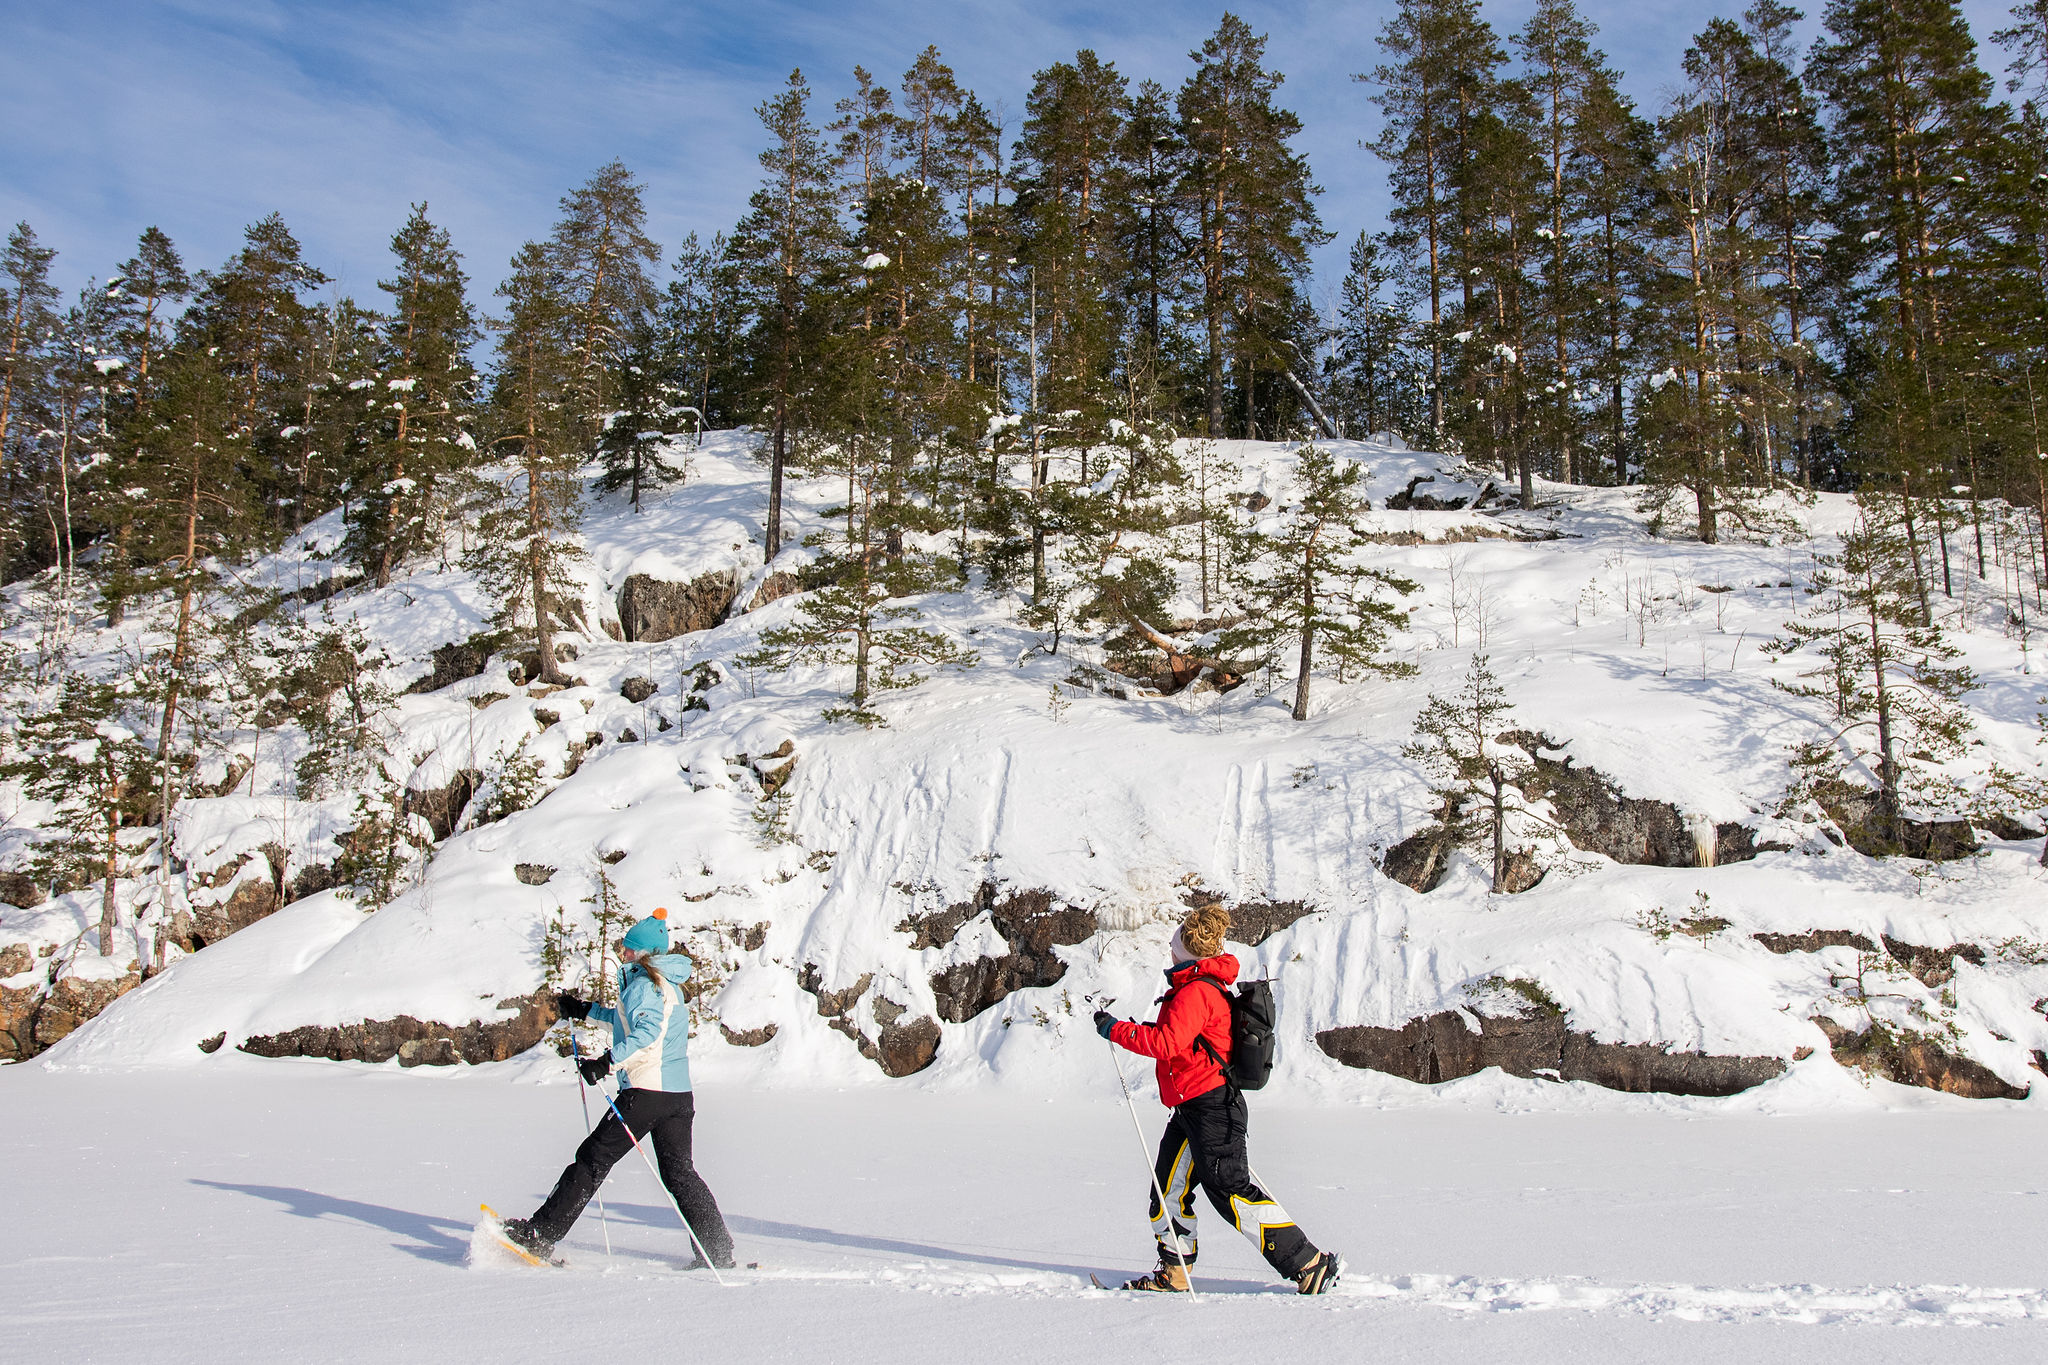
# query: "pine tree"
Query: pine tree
{"points": [[600, 253], [1887, 675], [701, 315], [1618, 150], [199, 500], [1563, 74], [84, 755], [634, 446], [1443, 67], [525, 544], [1786, 143], [27, 317], [985, 240], [148, 285], [1064, 201], [1920, 148], [250, 317], [857, 619], [1372, 373], [425, 399], [144, 294], [783, 245], [1254, 214], [1151, 245], [1298, 581], [71, 453], [1470, 769]]}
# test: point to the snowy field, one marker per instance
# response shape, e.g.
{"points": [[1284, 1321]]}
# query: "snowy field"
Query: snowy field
{"points": [[313, 1212]]}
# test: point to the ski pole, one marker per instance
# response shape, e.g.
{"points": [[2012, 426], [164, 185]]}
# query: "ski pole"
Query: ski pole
{"points": [[1165, 1209], [583, 1092], [664, 1186]]}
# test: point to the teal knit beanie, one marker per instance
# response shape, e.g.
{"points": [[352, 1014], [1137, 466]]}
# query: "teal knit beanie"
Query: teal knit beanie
{"points": [[650, 935]]}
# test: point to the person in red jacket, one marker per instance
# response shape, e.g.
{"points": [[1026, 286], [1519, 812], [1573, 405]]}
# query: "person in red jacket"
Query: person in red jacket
{"points": [[1204, 1142]]}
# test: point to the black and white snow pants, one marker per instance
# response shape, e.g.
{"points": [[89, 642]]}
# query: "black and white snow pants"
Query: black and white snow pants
{"points": [[1204, 1144], [667, 1115]]}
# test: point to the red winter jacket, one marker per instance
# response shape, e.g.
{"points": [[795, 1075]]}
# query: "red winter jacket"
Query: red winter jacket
{"points": [[1191, 1011]]}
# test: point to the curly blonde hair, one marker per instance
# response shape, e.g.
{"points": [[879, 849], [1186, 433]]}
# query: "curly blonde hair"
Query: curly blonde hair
{"points": [[1201, 933]]}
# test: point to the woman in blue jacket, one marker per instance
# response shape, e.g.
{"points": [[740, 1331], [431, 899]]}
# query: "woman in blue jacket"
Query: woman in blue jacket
{"points": [[651, 1049]]}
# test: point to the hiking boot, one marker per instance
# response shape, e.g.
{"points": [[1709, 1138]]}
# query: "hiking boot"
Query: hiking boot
{"points": [[520, 1233], [1169, 1278], [1318, 1275]]}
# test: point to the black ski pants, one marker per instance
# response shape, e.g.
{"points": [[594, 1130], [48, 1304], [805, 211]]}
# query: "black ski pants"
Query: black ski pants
{"points": [[667, 1116], [1205, 1144]]}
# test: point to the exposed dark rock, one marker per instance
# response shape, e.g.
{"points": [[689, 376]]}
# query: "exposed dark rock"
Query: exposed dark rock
{"points": [[15, 959], [212, 1045], [417, 1042], [1916, 1059], [901, 1049], [1934, 966], [832, 1004], [73, 1000], [651, 610], [1861, 816], [775, 767], [1442, 1047], [1031, 922], [532, 874], [20, 890], [1420, 860], [1599, 819], [18, 1006], [454, 662], [1410, 500], [1519, 871], [774, 587], [1813, 940], [906, 1049], [753, 1037], [637, 689], [252, 899], [442, 806], [311, 881], [2009, 828]]}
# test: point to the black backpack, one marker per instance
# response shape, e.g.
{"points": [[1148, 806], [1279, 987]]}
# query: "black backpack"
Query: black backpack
{"points": [[1252, 1016]]}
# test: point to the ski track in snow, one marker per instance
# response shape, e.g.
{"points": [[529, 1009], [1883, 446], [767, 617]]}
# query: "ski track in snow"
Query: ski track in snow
{"points": [[1814, 1305], [1873, 1306]]}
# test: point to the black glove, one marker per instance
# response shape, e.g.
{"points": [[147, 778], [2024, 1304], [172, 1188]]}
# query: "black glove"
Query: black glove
{"points": [[571, 1006], [596, 1068], [1104, 1022]]}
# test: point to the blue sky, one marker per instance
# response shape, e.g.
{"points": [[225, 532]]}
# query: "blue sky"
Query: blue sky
{"points": [[202, 115]]}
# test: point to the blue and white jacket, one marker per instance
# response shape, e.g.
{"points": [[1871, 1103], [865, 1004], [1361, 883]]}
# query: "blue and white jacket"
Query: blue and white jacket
{"points": [[651, 1026]]}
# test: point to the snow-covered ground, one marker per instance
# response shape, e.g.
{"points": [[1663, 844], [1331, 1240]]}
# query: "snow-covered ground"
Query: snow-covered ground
{"points": [[1638, 656], [263, 1211]]}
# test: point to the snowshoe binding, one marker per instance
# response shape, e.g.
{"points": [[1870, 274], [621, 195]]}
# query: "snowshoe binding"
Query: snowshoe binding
{"points": [[517, 1236], [1169, 1278], [1318, 1275]]}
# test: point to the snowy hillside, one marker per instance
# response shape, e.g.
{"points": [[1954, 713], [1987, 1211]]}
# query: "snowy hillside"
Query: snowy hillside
{"points": [[948, 897]]}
